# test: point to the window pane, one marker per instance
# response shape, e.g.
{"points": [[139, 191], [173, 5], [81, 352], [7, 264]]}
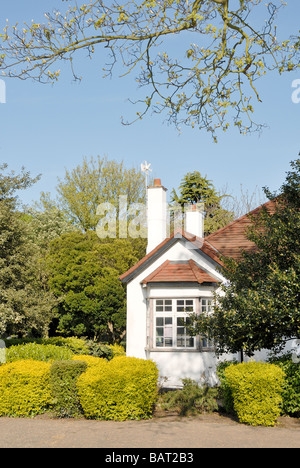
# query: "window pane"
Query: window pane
{"points": [[168, 342], [159, 342], [159, 308], [159, 302], [159, 331], [159, 321], [190, 342], [168, 320], [180, 342], [180, 321], [180, 331], [168, 302], [180, 302]]}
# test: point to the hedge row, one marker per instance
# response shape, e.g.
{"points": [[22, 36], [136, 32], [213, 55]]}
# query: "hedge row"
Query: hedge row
{"points": [[123, 388], [56, 348]]}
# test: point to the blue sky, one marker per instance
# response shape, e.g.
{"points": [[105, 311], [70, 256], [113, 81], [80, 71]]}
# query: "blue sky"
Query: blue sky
{"points": [[49, 128]]}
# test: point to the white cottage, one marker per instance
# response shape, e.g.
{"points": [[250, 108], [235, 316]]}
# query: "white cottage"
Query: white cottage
{"points": [[177, 276]]}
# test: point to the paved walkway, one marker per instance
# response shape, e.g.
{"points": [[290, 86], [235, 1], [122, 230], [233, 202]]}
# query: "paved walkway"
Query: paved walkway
{"points": [[199, 432]]}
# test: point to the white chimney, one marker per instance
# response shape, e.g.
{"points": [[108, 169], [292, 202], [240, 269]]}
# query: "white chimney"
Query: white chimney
{"points": [[194, 220], [156, 214]]}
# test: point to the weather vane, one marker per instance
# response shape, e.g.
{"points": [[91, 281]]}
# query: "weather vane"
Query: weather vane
{"points": [[145, 167]]}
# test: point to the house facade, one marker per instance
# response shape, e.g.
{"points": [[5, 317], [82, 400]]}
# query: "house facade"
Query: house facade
{"points": [[178, 276]]}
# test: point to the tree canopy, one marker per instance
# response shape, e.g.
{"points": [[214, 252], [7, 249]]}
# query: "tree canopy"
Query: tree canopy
{"points": [[95, 181], [84, 273], [206, 78], [26, 306], [196, 189], [259, 306]]}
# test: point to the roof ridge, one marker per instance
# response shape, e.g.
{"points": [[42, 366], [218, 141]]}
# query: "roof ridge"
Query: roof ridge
{"points": [[239, 219]]}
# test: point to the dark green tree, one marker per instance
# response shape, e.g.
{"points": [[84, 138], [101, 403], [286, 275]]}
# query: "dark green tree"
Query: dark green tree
{"points": [[84, 272], [195, 189], [260, 305]]}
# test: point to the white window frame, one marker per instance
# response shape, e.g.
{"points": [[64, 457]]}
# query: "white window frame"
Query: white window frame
{"points": [[168, 309], [162, 320]]}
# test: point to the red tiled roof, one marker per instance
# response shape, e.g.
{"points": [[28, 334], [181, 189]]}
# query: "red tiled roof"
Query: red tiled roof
{"points": [[172, 271], [197, 242], [232, 239], [228, 241]]}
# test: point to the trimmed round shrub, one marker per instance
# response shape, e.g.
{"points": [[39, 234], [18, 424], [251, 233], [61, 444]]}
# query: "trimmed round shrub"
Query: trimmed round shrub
{"points": [[63, 378], [120, 389], [38, 352], [24, 388], [257, 392]]}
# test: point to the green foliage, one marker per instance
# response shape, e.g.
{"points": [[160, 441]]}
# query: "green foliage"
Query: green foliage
{"points": [[191, 399], [25, 305], [89, 360], [100, 350], [257, 392], [123, 388], [291, 387], [38, 352], [84, 272], [98, 181], [117, 350], [46, 222], [63, 378], [258, 308], [76, 345], [195, 189], [225, 392], [24, 388]]}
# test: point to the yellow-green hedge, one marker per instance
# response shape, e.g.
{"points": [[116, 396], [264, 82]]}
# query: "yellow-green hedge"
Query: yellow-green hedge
{"points": [[90, 360], [120, 389], [24, 388], [257, 392]]}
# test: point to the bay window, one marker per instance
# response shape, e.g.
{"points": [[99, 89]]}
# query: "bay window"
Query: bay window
{"points": [[171, 322]]}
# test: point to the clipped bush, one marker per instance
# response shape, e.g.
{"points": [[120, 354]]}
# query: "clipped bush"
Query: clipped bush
{"points": [[89, 360], [38, 352], [63, 378], [120, 389], [117, 350], [191, 399], [257, 392], [291, 387], [24, 388], [76, 345]]}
